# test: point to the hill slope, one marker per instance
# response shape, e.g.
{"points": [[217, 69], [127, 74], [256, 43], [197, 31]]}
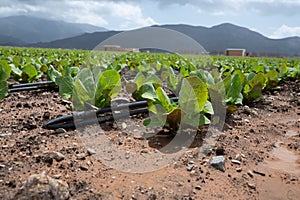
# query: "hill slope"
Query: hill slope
{"points": [[32, 29], [10, 41], [85, 41]]}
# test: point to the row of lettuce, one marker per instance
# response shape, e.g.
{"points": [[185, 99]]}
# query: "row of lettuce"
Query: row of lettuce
{"points": [[201, 83]]}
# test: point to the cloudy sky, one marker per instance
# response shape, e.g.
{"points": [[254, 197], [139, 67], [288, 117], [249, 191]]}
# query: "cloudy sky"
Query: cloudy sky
{"points": [[273, 18]]}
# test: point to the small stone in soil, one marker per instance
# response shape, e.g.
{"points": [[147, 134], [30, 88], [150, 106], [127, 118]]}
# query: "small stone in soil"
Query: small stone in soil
{"points": [[239, 169], [247, 120], [238, 157], [218, 162], [190, 168], [259, 172], [60, 131], [91, 151], [42, 133], [245, 176], [247, 109], [198, 187], [80, 156], [58, 176], [193, 172], [250, 174], [84, 168], [236, 162], [252, 186], [57, 156]]}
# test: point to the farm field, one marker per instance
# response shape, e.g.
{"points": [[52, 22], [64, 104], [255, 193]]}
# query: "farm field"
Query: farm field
{"points": [[259, 137]]}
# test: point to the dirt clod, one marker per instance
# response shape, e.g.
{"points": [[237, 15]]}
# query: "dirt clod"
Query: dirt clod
{"points": [[43, 187]]}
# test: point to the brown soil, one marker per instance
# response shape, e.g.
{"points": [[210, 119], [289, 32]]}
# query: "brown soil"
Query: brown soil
{"points": [[264, 136]]}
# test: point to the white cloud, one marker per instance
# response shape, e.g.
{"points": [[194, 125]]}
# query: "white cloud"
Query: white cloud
{"points": [[286, 31], [102, 13], [131, 13], [120, 14], [261, 7], [31, 8], [81, 12], [6, 10]]}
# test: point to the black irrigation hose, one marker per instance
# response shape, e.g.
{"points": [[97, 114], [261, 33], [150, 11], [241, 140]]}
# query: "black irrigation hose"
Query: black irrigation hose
{"points": [[136, 104], [31, 86], [90, 121], [28, 88], [68, 120]]}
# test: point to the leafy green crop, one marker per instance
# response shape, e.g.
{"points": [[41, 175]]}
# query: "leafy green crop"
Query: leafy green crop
{"points": [[107, 87], [95, 90], [192, 105], [253, 88], [94, 77], [5, 71]]}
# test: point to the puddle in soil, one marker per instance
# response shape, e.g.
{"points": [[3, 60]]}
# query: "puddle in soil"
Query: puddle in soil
{"points": [[281, 160], [275, 189], [292, 133], [288, 120], [284, 160]]}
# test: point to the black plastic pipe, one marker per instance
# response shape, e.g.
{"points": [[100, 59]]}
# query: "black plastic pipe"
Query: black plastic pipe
{"points": [[21, 89], [91, 121], [31, 84], [132, 106]]}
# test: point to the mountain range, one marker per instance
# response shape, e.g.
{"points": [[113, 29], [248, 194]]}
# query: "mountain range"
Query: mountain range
{"points": [[37, 32], [20, 30], [223, 36]]}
